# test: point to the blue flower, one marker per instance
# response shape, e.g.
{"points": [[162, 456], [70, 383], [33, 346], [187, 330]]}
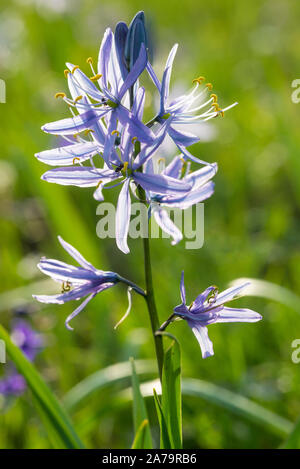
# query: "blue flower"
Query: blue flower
{"points": [[126, 171], [77, 282], [208, 308], [194, 107], [201, 188]]}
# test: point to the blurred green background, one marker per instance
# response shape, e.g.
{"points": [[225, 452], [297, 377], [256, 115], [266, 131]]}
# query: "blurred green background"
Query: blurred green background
{"points": [[250, 51]]}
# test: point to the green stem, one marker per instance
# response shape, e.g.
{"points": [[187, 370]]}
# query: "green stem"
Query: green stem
{"points": [[149, 297]]}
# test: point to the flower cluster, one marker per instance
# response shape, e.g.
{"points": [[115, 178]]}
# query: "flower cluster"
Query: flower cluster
{"points": [[106, 143]]}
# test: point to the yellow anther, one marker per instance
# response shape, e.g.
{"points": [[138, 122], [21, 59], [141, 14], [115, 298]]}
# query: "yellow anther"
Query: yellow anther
{"points": [[133, 139], [125, 166], [60, 95], [216, 106], [76, 159], [99, 184], [77, 99], [89, 60], [76, 135], [221, 112], [182, 160], [87, 131], [96, 77], [209, 86], [199, 80], [66, 72], [74, 68], [66, 287], [214, 97], [161, 160], [115, 132]]}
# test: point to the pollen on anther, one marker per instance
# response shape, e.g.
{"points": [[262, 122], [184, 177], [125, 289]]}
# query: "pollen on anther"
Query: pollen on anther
{"points": [[60, 95], [133, 139], [115, 132], [199, 80], [96, 77], [76, 159], [78, 98], [89, 60], [214, 97], [66, 72], [209, 86]]}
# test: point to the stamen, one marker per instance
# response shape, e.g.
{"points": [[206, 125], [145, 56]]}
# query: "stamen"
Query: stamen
{"points": [[87, 131], [133, 139], [115, 132], [78, 98], [199, 80], [66, 72], [89, 60], [74, 68], [96, 77], [99, 184], [60, 95], [209, 86], [214, 97], [76, 159], [66, 286]]}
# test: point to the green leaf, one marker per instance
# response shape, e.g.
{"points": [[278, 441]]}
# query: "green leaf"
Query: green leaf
{"points": [[293, 440], [102, 378], [139, 408], [228, 400], [140, 440], [271, 291], [57, 423], [164, 434], [171, 392]]}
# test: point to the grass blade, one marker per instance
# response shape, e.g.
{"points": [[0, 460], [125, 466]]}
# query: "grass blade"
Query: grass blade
{"points": [[60, 429], [139, 409], [171, 392], [164, 434], [140, 440]]}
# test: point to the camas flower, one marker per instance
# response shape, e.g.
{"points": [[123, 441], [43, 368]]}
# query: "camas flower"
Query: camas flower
{"points": [[208, 308], [193, 107], [77, 282], [201, 188]]}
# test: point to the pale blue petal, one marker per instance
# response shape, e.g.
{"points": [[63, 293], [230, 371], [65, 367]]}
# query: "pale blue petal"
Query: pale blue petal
{"points": [[64, 156], [80, 176], [123, 217], [201, 334]]}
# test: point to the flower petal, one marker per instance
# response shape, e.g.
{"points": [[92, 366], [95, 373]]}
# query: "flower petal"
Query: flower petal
{"points": [[182, 288], [237, 315], [64, 156], [78, 310], [80, 176], [123, 217], [73, 125], [165, 84], [160, 184], [76, 255], [163, 220], [135, 72], [201, 334], [230, 294]]}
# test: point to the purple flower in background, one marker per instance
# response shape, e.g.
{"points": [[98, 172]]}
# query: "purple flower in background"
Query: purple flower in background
{"points": [[13, 384], [30, 342], [26, 338], [208, 308], [77, 282]]}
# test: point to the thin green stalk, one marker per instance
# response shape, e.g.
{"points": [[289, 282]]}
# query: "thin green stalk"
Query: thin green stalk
{"points": [[149, 297]]}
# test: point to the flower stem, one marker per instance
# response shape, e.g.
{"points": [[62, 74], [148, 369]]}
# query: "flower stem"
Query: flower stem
{"points": [[135, 287], [149, 297]]}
